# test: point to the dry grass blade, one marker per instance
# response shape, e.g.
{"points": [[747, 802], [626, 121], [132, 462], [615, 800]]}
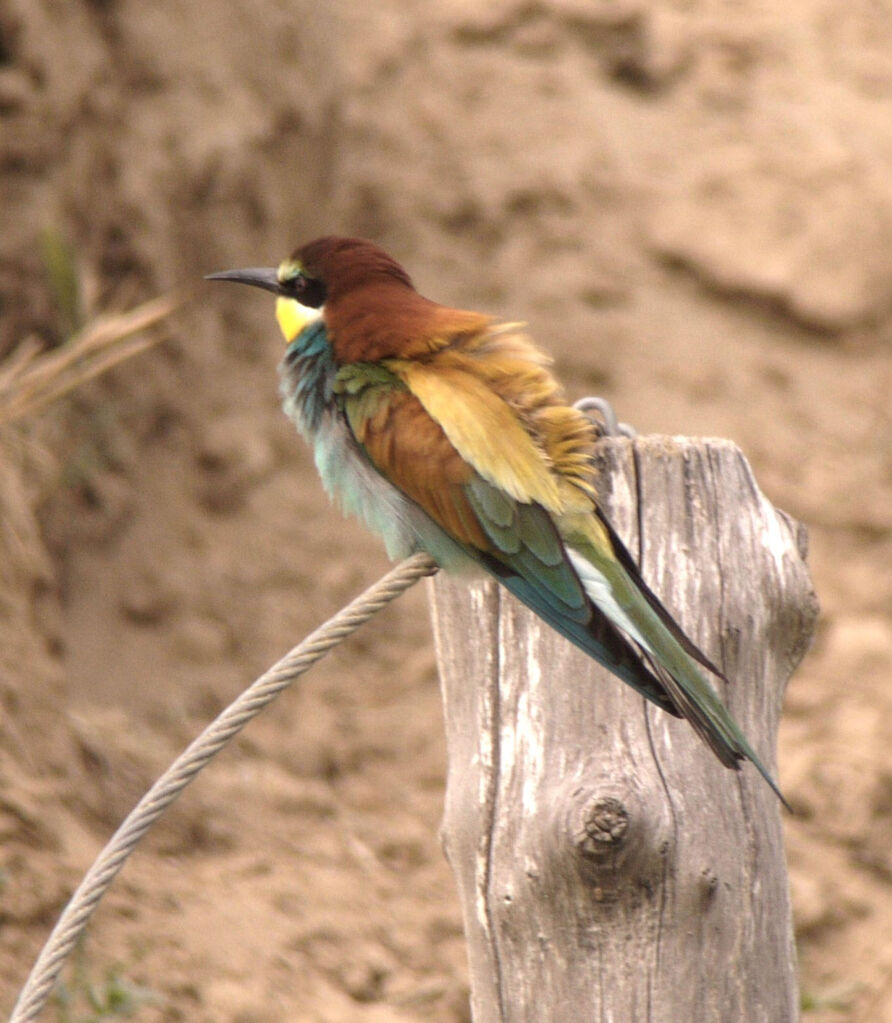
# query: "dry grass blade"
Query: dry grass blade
{"points": [[29, 381]]}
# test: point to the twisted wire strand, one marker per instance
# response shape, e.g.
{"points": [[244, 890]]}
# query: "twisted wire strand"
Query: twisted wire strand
{"points": [[248, 705]]}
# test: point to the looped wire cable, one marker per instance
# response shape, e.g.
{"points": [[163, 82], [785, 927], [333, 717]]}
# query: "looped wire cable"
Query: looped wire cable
{"points": [[248, 705]]}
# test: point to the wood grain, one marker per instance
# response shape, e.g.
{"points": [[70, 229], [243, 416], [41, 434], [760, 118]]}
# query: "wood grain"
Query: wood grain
{"points": [[609, 868]]}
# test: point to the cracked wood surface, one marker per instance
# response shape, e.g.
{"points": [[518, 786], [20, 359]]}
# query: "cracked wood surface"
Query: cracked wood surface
{"points": [[609, 868]]}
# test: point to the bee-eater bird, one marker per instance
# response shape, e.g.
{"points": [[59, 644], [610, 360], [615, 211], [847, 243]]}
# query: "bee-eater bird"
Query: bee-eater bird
{"points": [[446, 432]]}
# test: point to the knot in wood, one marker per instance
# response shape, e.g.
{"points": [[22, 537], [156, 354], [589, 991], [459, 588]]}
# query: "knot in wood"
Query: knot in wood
{"points": [[604, 828]]}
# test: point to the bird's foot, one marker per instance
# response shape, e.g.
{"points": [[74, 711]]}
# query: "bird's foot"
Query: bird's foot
{"points": [[601, 413]]}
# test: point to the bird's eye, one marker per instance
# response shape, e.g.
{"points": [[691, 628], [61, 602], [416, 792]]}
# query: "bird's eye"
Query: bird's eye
{"points": [[306, 290], [293, 285]]}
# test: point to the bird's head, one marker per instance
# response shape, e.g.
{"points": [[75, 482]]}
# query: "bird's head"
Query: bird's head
{"points": [[324, 270]]}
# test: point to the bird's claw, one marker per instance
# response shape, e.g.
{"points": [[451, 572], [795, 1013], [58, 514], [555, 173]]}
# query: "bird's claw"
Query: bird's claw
{"points": [[601, 413]]}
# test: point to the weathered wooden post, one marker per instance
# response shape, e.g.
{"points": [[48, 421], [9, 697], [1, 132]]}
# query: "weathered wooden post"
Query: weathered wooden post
{"points": [[609, 868]]}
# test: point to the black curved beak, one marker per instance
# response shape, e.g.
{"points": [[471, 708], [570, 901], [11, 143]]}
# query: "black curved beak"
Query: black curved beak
{"points": [[257, 276]]}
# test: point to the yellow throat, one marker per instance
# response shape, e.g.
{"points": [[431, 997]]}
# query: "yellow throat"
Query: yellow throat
{"points": [[292, 317]]}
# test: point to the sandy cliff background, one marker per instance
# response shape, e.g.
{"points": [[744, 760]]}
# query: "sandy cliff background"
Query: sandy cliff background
{"points": [[691, 204]]}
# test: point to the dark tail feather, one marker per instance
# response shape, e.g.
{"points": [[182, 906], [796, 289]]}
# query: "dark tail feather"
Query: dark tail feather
{"points": [[600, 639], [629, 564]]}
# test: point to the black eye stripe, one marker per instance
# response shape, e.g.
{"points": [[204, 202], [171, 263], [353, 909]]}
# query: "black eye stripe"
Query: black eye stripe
{"points": [[293, 286], [306, 290]]}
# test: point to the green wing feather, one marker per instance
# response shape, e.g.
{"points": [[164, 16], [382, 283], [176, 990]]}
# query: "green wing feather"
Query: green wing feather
{"points": [[500, 500], [516, 541]]}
